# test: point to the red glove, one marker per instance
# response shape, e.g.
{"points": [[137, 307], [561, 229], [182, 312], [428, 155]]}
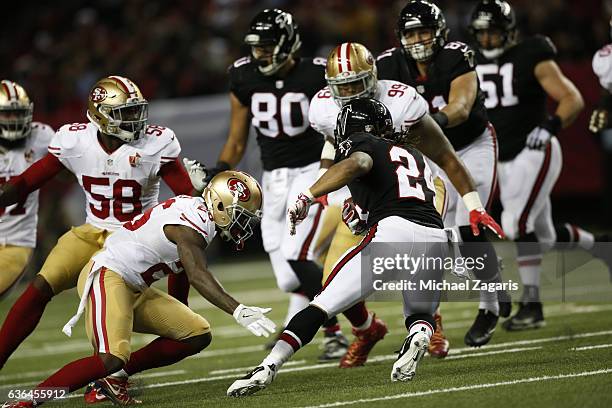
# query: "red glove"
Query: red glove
{"points": [[351, 216], [479, 217], [299, 210]]}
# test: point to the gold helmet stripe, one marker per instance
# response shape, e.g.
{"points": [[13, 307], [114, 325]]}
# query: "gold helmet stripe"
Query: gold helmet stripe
{"points": [[11, 90], [344, 63], [125, 84]]}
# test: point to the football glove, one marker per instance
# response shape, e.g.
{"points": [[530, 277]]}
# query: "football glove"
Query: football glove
{"points": [[599, 120], [479, 217], [299, 210], [353, 218], [197, 173], [221, 166], [253, 319], [539, 137]]}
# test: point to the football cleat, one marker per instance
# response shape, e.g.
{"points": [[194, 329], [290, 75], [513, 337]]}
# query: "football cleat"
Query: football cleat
{"points": [[92, 395], [258, 379], [529, 316], [364, 342], [334, 347], [482, 329], [438, 344], [412, 351], [19, 404], [114, 389]]}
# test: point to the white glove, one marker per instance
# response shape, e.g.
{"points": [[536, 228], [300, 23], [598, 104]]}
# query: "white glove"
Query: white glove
{"points": [[197, 173], [253, 319], [299, 210], [538, 139]]}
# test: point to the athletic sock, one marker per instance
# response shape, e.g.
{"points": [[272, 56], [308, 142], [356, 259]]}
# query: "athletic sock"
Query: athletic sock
{"points": [[76, 374], [159, 353]]}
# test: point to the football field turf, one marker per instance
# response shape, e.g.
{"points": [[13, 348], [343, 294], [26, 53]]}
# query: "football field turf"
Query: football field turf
{"points": [[568, 363]]}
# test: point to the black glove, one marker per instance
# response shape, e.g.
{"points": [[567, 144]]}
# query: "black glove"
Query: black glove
{"points": [[221, 166]]}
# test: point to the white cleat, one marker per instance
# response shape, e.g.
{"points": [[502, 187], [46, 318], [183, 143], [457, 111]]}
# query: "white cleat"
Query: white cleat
{"points": [[410, 354], [258, 379]]}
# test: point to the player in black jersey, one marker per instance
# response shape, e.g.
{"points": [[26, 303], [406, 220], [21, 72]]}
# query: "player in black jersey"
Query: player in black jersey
{"points": [[443, 73], [394, 184], [517, 76], [271, 89]]}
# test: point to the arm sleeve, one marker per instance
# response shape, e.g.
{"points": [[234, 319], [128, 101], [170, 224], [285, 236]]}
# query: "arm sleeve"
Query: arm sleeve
{"points": [[175, 176], [37, 175]]}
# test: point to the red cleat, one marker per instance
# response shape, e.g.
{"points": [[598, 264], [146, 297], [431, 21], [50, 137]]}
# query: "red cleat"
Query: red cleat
{"points": [[364, 342], [110, 388], [18, 404], [438, 344]]}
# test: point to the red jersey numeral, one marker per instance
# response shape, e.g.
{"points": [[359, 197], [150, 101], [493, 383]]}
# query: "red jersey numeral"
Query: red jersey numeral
{"points": [[397, 90], [118, 199], [142, 220]]}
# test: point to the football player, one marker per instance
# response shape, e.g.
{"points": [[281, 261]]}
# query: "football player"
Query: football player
{"points": [[271, 90], [394, 185], [350, 74], [443, 73], [118, 160], [22, 142], [517, 76], [117, 297]]}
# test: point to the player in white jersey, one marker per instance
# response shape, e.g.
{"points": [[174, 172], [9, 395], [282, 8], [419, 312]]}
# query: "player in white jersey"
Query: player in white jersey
{"points": [[22, 142], [117, 299], [602, 67], [119, 161], [351, 73]]}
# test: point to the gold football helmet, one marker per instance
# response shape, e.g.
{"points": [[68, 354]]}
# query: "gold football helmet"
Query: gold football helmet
{"points": [[351, 72], [235, 200], [15, 111], [117, 108]]}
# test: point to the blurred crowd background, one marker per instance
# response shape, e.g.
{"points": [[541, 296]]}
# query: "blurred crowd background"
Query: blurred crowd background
{"points": [[182, 48]]}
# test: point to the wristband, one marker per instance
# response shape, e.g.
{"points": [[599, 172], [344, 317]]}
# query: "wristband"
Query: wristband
{"points": [[552, 123], [329, 151], [441, 119], [472, 201]]}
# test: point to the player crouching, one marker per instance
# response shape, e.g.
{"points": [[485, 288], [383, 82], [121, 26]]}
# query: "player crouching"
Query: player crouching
{"points": [[117, 298]]}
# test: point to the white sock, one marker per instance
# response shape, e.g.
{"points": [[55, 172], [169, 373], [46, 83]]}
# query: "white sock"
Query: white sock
{"points": [[530, 268], [280, 354], [421, 325], [488, 301], [366, 324], [297, 302], [121, 374]]}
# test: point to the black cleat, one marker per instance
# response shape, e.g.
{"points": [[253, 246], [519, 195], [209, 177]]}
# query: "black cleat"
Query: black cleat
{"points": [[482, 330], [529, 316]]}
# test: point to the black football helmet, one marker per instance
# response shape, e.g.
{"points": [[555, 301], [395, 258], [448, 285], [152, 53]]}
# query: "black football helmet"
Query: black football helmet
{"points": [[494, 14], [422, 14], [274, 28], [364, 115]]}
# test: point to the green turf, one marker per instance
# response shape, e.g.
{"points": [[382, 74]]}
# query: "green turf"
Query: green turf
{"points": [[547, 352]]}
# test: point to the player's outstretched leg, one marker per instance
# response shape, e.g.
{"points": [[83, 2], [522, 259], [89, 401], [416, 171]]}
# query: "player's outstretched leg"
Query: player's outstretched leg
{"points": [[23, 317], [299, 332], [420, 329]]}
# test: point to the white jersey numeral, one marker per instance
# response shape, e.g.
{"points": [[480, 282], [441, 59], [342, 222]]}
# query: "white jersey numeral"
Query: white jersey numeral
{"points": [[506, 71], [293, 109], [408, 174]]}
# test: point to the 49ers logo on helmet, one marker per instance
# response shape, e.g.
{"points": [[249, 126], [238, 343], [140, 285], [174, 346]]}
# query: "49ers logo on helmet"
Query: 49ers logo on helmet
{"points": [[239, 187], [98, 94]]}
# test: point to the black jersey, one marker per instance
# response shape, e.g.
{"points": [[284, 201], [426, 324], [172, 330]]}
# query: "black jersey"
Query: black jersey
{"points": [[399, 184], [455, 59], [279, 110], [515, 99]]}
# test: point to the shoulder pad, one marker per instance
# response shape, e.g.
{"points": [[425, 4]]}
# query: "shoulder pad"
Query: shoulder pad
{"points": [[41, 136], [159, 139], [68, 136]]}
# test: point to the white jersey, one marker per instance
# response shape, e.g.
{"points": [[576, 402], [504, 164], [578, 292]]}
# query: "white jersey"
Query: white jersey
{"points": [[18, 221], [118, 185], [140, 251], [602, 66], [404, 103]]}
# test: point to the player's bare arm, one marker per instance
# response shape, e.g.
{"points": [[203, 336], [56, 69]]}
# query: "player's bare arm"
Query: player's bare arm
{"points": [[461, 98], [340, 174], [234, 147], [190, 246], [434, 144], [560, 89]]}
